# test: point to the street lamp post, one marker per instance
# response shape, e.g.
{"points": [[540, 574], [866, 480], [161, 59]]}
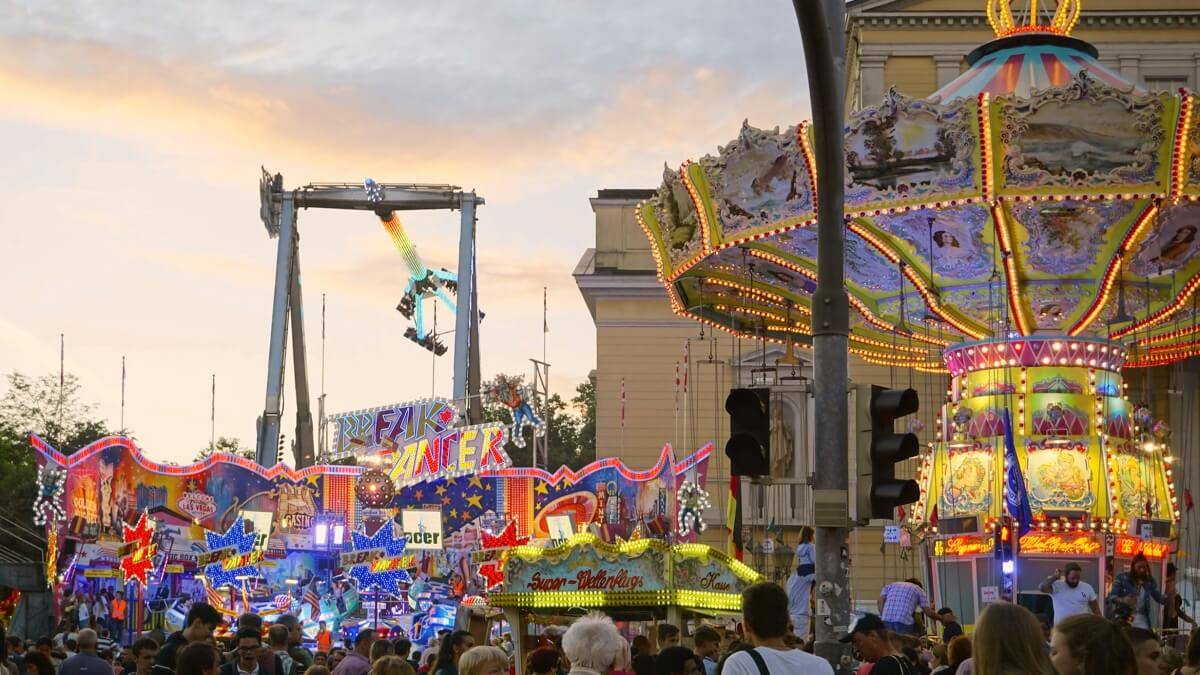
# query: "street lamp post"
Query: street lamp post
{"points": [[822, 30]]}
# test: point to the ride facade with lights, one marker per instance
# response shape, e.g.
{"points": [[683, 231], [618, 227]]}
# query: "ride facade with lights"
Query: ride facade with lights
{"points": [[1030, 230]]}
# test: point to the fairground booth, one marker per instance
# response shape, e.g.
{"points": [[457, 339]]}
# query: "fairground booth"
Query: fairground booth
{"points": [[392, 541], [1030, 232], [639, 581]]}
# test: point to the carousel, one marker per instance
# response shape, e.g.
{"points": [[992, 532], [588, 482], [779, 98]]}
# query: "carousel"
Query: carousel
{"points": [[1029, 232]]}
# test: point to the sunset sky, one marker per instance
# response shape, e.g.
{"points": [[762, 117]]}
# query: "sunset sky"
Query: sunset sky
{"points": [[133, 135]]}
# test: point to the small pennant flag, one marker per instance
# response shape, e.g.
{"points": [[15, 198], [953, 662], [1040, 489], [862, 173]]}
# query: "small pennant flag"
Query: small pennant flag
{"points": [[1187, 499], [622, 403]]}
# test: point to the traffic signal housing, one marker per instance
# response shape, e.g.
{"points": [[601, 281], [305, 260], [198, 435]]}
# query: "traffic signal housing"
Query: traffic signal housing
{"points": [[1003, 548], [749, 444], [889, 448]]}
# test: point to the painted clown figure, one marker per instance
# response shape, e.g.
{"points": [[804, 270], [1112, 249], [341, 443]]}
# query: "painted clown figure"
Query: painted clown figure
{"points": [[510, 391]]}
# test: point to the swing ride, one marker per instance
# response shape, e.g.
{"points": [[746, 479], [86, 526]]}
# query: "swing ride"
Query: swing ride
{"points": [[1029, 230]]}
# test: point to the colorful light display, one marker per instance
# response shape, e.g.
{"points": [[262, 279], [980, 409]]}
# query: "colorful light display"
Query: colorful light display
{"points": [[232, 557], [693, 501], [137, 555], [379, 561]]}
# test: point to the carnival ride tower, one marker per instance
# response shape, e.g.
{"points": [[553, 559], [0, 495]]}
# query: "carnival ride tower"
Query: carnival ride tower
{"points": [[1029, 230]]}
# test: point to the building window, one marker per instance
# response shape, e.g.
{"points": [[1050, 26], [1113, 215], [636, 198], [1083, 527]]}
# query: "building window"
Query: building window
{"points": [[1169, 84]]}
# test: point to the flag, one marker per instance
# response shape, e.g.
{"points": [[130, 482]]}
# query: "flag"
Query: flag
{"points": [[1016, 499], [311, 597], [622, 403], [933, 516], [545, 311], [733, 516], [687, 365], [1187, 499], [677, 389]]}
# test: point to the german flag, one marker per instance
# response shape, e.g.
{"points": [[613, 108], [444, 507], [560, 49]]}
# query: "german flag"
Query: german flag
{"points": [[733, 516]]}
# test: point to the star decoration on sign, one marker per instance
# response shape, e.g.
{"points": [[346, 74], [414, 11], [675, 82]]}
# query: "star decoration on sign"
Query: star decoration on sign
{"points": [[446, 416], [138, 551], [387, 571], [492, 571], [243, 562]]}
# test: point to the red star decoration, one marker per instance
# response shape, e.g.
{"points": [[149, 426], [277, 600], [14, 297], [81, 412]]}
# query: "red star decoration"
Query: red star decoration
{"points": [[446, 416], [506, 539], [492, 574], [139, 550]]}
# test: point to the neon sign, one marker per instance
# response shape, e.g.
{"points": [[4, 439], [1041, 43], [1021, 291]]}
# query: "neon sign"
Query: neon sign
{"points": [[1127, 547], [451, 453], [391, 426], [1061, 544], [963, 545]]}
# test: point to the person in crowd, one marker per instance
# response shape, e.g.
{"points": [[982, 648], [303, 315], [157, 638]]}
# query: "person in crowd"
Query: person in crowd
{"points": [[898, 603], [592, 644], [452, 648], [1087, 644], [143, 652], [201, 620], [16, 653], [800, 583], [357, 662], [105, 642], [869, 634], [321, 659], [941, 661], [542, 662], [277, 644], [198, 658], [765, 619], [335, 657], [380, 649], [1146, 650], [1174, 610], [1132, 592], [677, 660], [624, 661], [1069, 594], [642, 664], [45, 646], [950, 626], [958, 650], [640, 645], [87, 661], [1008, 641], [321, 669], [708, 647], [667, 635], [324, 638], [482, 660], [38, 663], [296, 648], [391, 665], [250, 655], [117, 611], [1191, 656], [402, 647], [83, 607]]}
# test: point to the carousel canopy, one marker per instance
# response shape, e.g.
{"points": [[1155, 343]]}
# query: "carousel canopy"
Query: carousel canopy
{"points": [[1038, 193]]}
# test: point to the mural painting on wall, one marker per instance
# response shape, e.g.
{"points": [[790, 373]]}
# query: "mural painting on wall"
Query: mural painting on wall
{"points": [[970, 480], [1059, 477]]}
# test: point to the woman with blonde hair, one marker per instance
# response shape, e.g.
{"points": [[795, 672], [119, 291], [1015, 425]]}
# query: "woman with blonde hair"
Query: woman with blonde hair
{"points": [[1008, 640], [1086, 644], [483, 661], [388, 665]]}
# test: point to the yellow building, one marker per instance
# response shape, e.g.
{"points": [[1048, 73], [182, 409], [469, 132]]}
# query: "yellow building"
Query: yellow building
{"points": [[641, 346]]}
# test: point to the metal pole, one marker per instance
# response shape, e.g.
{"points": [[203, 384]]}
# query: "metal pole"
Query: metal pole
{"points": [[304, 454], [268, 435], [466, 321], [822, 31]]}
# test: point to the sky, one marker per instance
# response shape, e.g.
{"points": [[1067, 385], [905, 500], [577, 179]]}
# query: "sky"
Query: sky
{"points": [[134, 133]]}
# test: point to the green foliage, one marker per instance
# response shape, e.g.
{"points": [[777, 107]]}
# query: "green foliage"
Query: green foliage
{"points": [[570, 429], [226, 444], [60, 417]]}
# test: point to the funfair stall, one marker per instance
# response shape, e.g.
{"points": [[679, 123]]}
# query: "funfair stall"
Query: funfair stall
{"points": [[1029, 231], [386, 542], [637, 580]]}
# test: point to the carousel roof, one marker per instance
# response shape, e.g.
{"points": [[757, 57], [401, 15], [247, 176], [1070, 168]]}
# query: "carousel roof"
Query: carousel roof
{"points": [[1038, 193]]}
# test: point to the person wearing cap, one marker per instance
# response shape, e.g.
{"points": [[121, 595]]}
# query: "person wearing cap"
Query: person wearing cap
{"points": [[1069, 594], [951, 628], [765, 619], [898, 601], [870, 637]]}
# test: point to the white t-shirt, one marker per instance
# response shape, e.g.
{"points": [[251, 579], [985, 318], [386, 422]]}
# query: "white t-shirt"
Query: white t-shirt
{"points": [[1071, 601], [785, 662]]}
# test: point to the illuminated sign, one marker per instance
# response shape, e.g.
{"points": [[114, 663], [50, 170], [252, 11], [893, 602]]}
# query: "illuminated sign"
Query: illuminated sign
{"points": [[1064, 544], [422, 528], [138, 551], [379, 560], [963, 545], [451, 453], [391, 426], [198, 505], [1127, 547]]}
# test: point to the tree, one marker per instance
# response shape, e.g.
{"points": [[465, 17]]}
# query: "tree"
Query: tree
{"points": [[226, 444], [57, 415], [585, 406], [565, 446]]}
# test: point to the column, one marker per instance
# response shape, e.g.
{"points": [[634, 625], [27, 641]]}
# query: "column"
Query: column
{"points": [[871, 78], [948, 67]]}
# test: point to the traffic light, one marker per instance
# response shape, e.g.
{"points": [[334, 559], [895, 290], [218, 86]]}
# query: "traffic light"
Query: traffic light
{"points": [[749, 444], [1003, 548], [889, 448]]}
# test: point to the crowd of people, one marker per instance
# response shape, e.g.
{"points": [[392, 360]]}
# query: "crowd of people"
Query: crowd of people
{"points": [[772, 637]]}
